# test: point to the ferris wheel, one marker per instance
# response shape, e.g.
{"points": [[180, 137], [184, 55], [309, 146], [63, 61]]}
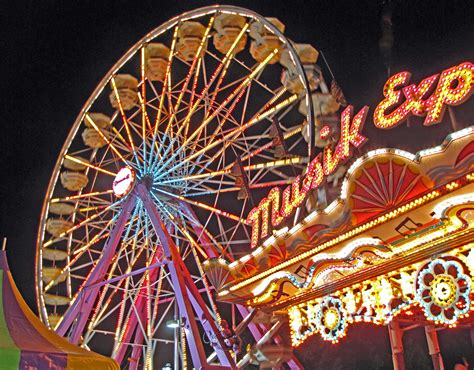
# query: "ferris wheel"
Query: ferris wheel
{"points": [[182, 137]]}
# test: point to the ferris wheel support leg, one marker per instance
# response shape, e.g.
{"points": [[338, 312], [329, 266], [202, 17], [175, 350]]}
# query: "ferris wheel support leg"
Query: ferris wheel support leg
{"points": [[132, 324], [130, 329], [137, 348], [137, 314], [209, 325], [178, 275], [254, 329], [257, 331], [79, 311]]}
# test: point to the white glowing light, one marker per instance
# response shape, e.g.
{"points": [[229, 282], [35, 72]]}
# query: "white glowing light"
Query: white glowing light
{"points": [[440, 208], [349, 248], [123, 181], [260, 288]]}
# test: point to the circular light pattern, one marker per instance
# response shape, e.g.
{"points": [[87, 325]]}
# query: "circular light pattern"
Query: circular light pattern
{"points": [[443, 291], [123, 182], [331, 319]]}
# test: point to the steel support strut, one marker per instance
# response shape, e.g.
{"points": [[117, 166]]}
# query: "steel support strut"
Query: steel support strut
{"points": [[78, 313], [396, 342], [186, 293], [137, 314], [433, 347]]}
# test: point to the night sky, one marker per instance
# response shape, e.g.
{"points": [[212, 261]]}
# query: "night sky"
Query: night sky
{"points": [[54, 53]]}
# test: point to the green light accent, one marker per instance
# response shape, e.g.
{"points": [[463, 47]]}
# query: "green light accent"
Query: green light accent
{"points": [[9, 353]]}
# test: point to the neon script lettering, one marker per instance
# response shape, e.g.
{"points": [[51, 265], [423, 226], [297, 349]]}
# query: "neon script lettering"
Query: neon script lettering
{"points": [[278, 206], [455, 85]]}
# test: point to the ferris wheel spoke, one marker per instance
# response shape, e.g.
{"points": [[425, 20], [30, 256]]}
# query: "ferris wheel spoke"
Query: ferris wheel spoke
{"points": [[89, 219], [204, 206], [166, 86], [89, 165], [101, 235], [194, 62], [82, 223], [264, 147], [245, 67], [242, 86], [193, 94], [226, 139], [105, 138], [236, 189], [203, 235], [204, 93], [227, 60], [193, 147], [213, 95], [218, 131], [227, 100], [124, 119], [142, 100], [80, 196], [193, 244]]}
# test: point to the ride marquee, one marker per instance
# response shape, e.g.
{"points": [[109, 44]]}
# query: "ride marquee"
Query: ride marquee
{"points": [[454, 86]]}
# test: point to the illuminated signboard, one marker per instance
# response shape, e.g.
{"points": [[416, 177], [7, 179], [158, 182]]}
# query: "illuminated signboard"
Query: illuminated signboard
{"points": [[454, 86]]}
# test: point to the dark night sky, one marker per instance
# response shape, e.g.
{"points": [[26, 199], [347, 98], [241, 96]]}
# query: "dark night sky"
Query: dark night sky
{"points": [[55, 52]]}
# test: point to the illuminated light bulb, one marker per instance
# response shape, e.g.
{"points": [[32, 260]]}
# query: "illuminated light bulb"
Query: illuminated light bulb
{"points": [[470, 259], [406, 283], [445, 94], [324, 132], [393, 97], [349, 301]]}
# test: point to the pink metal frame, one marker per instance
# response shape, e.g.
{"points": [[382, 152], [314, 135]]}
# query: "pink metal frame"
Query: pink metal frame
{"points": [[188, 297]]}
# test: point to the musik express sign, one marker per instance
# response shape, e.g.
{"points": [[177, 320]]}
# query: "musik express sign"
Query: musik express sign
{"points": [[453, 87]]}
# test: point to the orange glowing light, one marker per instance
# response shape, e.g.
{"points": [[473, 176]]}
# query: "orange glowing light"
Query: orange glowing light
{"points": [[455, 86]]}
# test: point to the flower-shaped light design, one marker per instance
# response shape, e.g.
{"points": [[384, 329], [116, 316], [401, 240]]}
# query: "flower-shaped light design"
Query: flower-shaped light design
{"points": [[331, 319], [443, 291]]}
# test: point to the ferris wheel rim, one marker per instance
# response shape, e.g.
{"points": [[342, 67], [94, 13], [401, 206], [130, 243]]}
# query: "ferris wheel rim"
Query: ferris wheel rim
{"points": [[107, 78]]}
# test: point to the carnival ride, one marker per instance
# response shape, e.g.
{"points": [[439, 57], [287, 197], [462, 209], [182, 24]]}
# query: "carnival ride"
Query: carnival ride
{"points": [[163, 163], [199, 142], [394, 248]]}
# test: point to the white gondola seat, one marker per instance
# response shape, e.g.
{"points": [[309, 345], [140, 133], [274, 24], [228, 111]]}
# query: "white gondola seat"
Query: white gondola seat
{"points": [[265, 42], [228, 27], [156, 61], [190, 35], [126, 90]]}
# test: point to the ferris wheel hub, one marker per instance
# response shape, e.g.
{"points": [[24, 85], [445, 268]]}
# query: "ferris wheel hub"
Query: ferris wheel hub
{"points": [[147, 180]]}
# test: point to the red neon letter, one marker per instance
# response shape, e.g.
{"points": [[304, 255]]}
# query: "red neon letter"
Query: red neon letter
{"points": [[350, 134], [455, 87], [392, 98]]}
